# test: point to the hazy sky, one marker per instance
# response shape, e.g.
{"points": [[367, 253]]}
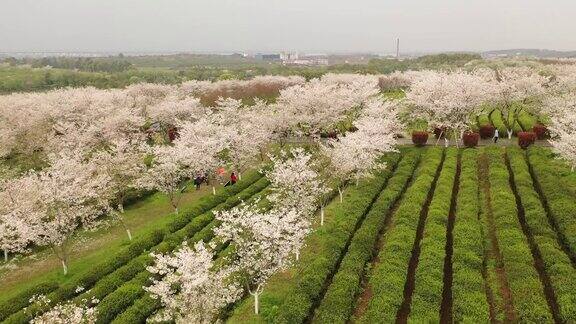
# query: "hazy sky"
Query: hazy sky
{"points": [[272, 25]]}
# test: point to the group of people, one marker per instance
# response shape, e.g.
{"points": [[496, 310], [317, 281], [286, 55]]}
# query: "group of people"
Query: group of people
{"points": [[202, 177]]}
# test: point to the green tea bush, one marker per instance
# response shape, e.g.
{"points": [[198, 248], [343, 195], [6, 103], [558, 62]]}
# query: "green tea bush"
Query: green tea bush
{"points": [[470, 303], [389, 275], [429, 277], [339, 301], [527, 290], [556, 263]]}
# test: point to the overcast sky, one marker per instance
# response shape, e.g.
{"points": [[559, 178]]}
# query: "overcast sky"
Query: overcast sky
{"points": [[292, 25]]}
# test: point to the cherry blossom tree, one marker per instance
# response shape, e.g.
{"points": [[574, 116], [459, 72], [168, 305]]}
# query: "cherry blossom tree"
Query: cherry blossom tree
{"points": [[515, 84], [564, 76], [321, 103], [168, 174], [394, 81], [264, 242], [8, 142], [296, 183], [267, 86], [192, 288], [18, 214], [448, 100], [562, 111], [357, 154], [200, 146], [244, 130], [71, 196], [65, 313], [124, 165]]}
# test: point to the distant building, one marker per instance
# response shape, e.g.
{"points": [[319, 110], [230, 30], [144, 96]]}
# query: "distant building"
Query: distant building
{"points": [[289, 56], [307, 61], [268, 57]]}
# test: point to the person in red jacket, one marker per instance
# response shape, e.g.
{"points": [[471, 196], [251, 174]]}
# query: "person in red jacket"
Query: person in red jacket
{"points": [[233, 178]]}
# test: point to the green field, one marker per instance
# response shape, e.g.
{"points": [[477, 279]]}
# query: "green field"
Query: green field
{"points": [[473, 235]]}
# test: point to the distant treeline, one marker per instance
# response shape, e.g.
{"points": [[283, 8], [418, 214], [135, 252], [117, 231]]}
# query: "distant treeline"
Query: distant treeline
{"points": [[87, 64], [20, 75]]}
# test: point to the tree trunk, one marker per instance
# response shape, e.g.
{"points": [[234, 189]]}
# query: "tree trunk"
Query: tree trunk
{"points": [[322, 215], [64, 267], [510, 132], [340, 193], [456, 139], [297, 255], [62, 255], [121, 209], [5, 255], [239, 175], [439, 137], [176, 210], [213, 190], [256, 308], [446, 142]]}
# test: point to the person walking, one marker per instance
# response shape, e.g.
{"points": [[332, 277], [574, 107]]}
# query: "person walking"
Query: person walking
{"points": [[198, 181], [496, 135], [233, 178]]}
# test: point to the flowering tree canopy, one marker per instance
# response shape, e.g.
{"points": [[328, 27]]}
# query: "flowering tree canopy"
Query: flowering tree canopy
{"points": [[192, 289], [562, 111], [295, 183], [356, 155], [264, 242], [447, 100]]}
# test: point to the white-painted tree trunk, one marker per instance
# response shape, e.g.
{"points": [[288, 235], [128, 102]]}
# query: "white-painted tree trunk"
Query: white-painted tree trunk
{"points": [[176, 210], [256, 306], [213, 190], [456, 139], [64, 267], [510, 132], [446, 142], [340, 193], [321, 215], [5, 255], [121, 210], [439, 137], [297, 255], [239, 175]]}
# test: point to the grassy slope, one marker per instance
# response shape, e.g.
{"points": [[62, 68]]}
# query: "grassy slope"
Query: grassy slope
{"points": [[91, 248]]}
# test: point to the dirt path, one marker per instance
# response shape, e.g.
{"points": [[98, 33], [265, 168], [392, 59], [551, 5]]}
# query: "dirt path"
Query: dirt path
{"points": [[404, 311], [536, 255], [505, 291], [446, 306]]}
